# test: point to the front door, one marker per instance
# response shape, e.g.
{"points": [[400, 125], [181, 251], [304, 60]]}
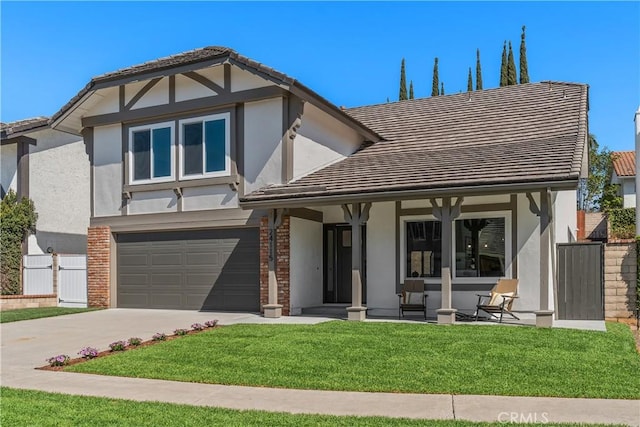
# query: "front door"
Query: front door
{"points": [[337, 263]]}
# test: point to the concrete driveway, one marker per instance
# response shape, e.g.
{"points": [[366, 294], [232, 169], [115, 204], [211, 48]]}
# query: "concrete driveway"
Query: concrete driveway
{"points": [[25, 345]]}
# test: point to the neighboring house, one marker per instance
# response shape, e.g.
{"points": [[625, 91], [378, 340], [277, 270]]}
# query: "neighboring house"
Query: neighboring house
{"points": [[218, 183], [52, 169], [624, 175]]}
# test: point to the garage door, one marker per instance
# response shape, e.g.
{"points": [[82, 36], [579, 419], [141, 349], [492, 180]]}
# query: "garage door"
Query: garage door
{"points": [[194, 270]]}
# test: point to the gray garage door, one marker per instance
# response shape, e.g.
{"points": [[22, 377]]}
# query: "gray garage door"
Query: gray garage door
{"points": [[194, 270]]}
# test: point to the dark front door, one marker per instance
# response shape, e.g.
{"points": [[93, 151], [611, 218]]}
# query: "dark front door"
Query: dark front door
{"points": [[337, 263]]}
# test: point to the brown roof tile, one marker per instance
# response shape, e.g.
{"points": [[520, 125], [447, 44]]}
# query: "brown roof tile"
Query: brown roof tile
{"points": [[518, 134], [12, 128], [624, 163]]}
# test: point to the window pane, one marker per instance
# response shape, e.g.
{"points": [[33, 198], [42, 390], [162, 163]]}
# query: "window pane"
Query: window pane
{"points": [[424, 249], [141, 155], [161, 152], [192, 148], [480, 247], [215, 145]]}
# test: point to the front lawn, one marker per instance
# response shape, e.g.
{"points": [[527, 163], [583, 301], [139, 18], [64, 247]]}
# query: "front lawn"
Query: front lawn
{"points": [[37, 313], [36, 408], [395, 357]]}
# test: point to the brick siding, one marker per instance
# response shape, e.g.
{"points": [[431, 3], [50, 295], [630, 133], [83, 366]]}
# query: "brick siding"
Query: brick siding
{"points": [[620, 267], [98, 266], [282, 264]]}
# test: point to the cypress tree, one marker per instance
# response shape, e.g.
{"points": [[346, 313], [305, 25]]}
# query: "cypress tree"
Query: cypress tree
{"points": [[469, 82], [503, 66], [442, 88], [411, 89], [436, 82], [524, 69], [403, 83], [478, 71], [511, 68]]}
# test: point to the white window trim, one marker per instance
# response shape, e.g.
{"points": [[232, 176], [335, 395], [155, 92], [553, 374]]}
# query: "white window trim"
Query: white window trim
{"points": [[227, 146], [437, 280], [507, 246], [150, 128]]}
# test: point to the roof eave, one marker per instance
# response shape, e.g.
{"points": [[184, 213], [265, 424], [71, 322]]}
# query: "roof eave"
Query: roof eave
{"points": [[413, 194]]}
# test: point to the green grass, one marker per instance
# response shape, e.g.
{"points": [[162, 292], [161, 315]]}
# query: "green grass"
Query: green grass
{"points": [[395, 357], [36, 408], [37, 313]]}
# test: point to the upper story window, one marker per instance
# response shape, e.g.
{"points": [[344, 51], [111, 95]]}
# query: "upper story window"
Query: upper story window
{"points": [[204, 146], [151, 153]]}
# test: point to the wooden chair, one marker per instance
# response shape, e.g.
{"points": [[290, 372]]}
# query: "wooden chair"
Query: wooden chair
{"points": [[412, 297], [500, 301]]}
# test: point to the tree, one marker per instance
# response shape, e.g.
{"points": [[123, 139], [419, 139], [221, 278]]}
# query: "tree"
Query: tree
{"points": [[511, 68], [403, 83], [503, 66], [595, 192], [442, 88], [17, 220], [469, 82], [478, 71], [435, 82], [411, 90], [524, 69]]}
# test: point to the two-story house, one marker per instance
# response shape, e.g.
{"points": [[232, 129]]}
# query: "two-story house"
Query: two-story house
{"points": [[218, 183]]}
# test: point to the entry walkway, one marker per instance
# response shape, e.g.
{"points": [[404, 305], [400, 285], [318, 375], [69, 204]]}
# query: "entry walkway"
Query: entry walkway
{"points": [[26, 344]]}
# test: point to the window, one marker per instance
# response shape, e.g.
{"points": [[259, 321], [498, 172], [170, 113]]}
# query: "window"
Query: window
{"points": [[424, 248], [204, 144], [151, 153], [480, 247]]}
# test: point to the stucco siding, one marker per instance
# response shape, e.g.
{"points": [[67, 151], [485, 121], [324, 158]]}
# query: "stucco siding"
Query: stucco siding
{"points": [[187, 88], [528, 256], [157, 95], [244, 80], [381, 258], [321, 140], [215, 197], [262, 143], [565, 216], [153, 202], [59, 188], [107, 154], [629, 192], [9, 167], [306, 264], [109, 101]]}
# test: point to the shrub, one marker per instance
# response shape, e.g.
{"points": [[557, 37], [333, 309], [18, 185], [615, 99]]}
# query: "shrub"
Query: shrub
{"points": [[118, 346], [197, 326], [60, 360], [17, 220], [211, 323], [159, 337], [134, 342], [88, 352], [180, 332], [622, 222]]}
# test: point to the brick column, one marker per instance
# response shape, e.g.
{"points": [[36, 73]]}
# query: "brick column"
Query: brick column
{"points": [[98, 266], [282, 264]]}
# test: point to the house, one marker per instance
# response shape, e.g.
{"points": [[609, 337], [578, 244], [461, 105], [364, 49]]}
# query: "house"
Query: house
{"points": [[50, 167], [624, 176], [218, 183]]}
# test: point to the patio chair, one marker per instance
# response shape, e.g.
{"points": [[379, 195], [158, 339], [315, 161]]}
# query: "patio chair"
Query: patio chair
{"points": [[500, 300], [412, 297]]}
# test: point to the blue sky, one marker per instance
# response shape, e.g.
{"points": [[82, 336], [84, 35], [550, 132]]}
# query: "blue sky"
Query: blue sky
{"points": [[348, 52]]}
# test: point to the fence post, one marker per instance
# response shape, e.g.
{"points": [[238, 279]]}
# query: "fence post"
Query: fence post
{"points": [[55, 268]]}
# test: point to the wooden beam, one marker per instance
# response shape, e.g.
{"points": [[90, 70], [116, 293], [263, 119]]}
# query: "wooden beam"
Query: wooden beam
{"points": [[146, 88], [205, 82]]}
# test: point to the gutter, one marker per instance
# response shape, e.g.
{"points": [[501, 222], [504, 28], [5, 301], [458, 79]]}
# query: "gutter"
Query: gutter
{"points": [[386, 196]]}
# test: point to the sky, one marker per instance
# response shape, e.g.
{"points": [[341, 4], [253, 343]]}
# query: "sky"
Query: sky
{"points": [[348, 52]]}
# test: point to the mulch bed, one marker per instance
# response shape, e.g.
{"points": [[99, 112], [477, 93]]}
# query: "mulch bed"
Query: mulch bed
{"points": [[106, 353]]}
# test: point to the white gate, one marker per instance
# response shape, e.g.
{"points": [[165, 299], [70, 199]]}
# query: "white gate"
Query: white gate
{"points": [[37, 274], [72, 280]]}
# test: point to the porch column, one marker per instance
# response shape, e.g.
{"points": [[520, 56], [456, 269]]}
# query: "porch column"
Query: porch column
{"points": [[357, 217], [544, 316], [446, 214], [273, 309]]}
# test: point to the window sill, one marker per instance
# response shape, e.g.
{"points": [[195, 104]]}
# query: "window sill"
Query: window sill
{"points": [[202, 182]]}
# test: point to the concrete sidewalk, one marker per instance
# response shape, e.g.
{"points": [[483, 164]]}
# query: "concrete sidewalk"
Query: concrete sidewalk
{"points": [[26, 344]]}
